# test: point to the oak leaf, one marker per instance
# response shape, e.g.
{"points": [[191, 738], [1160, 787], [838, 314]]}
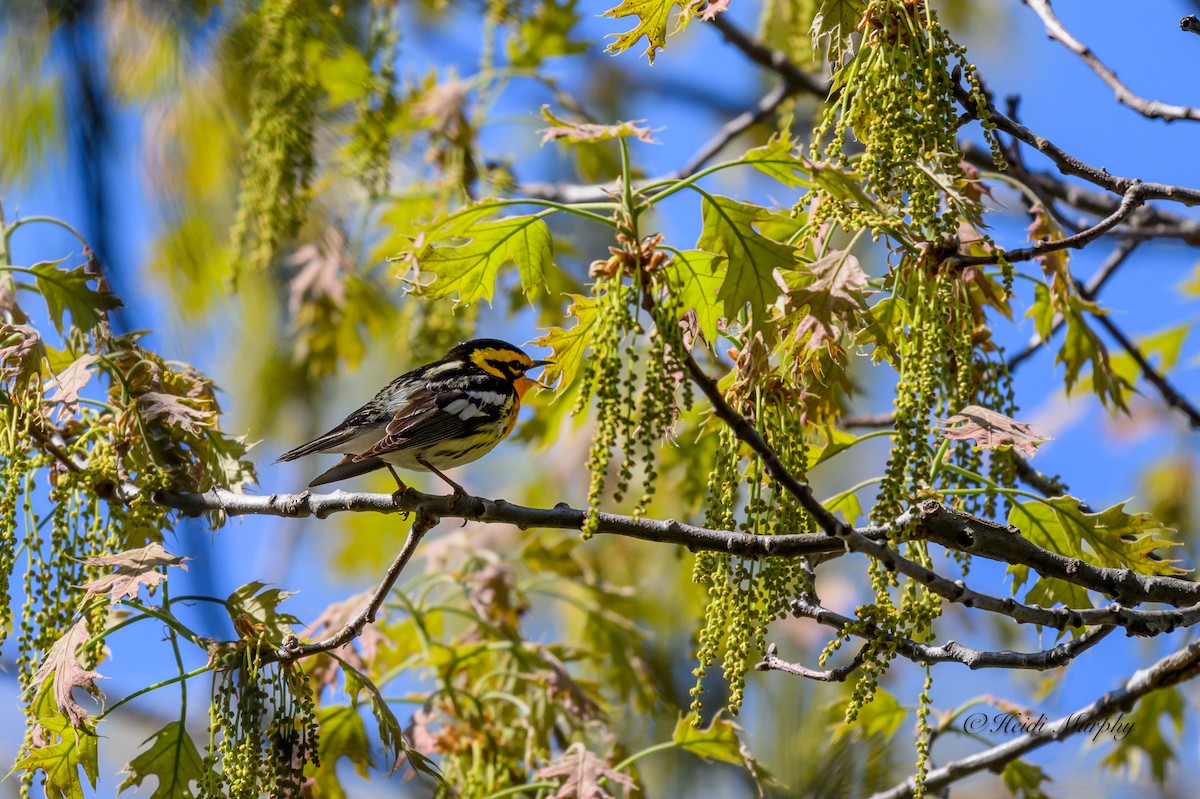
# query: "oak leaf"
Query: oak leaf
{"points": [[582, 774], [174, 410], [135, 568], [69, 382], [992, 430], [579, 132], [62, 661]]}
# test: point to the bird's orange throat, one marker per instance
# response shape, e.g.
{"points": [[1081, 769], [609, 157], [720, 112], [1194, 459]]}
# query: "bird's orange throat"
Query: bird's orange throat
{"points": [[523, 384]]}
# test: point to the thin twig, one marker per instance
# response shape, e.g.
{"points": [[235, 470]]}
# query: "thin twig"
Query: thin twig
{"points": [[1070, 165], [1170, 395], [734, 128], [1133, 199], [293, 650], [772, 662], [1153, 109], [1171, 670]]}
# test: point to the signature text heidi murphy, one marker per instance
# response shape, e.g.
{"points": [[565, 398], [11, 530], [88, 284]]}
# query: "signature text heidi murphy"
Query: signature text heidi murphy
{"points": [[1018, 724]]}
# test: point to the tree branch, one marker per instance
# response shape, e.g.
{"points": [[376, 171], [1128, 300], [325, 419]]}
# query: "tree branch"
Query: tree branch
{"points": [[934, 522], [1136, 622], [1133, 199], [772, 662], [1170, 395], [292, 649], [1110, 266], [1070, 165], [1153, 109], [951, 651], [1171, 670]]}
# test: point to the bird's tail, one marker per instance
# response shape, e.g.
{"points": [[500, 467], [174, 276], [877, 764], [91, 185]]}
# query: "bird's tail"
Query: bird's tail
{"points": [[323, 444], [346, 468]]}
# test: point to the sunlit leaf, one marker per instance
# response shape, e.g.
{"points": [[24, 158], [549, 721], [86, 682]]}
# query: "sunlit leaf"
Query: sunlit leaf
{"points": [[62, 661], [67, 291], [464, 254], [577, 132], [1111, 537], [135, 568], [583, 775], [342, 735], [992, 430], [570, 345], [652, 23], [1024, 780], [752, 257], [1140, 739], [833, 25], [696, 277]]}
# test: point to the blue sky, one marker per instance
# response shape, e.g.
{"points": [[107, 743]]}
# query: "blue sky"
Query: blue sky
{"points": [[1060, 98]]}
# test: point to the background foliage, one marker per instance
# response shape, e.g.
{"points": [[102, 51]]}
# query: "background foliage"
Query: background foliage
{"points": [[806, 247]]}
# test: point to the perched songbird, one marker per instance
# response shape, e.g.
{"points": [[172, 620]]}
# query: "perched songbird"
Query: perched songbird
{"points": [[439, 416]]}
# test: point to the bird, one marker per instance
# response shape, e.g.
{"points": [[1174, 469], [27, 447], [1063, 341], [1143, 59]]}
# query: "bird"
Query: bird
{"points": [[438, 416]]}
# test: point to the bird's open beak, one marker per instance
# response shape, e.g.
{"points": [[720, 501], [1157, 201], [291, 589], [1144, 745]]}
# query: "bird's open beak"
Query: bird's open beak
{"points": [[539, 383]]}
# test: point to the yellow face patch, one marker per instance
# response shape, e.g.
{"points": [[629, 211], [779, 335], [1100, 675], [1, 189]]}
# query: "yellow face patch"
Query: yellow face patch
{"points": [[506, 364]]}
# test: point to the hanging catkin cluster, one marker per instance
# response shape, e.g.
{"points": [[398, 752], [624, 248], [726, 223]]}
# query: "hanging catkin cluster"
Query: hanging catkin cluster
{"points": [[747, 594], [897, 100], [279, 158], [262, 730], [635, 407]]}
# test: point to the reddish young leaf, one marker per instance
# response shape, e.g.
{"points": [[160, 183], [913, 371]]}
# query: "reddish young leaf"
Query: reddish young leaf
{"points": [[69, 382], [576, 132], [63, 662], [992, 430], [581, 773], [177, 413], [135, 568]]}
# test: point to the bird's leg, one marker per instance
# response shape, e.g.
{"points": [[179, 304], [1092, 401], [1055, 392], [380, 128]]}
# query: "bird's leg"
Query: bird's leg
{"points": [[459, 491], [399, 492]]}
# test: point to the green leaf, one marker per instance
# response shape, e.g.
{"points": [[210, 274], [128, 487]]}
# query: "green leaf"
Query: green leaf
{"points": [[396, 747], [544, 34], [833, 25], [65, 750], [569, 346], [261, 606], [849, 506], [1081, 346], [172, 758], [652, 23], [718, 741], [1024, 780], [883, 715], [696, 277], [67, 290], [777, 159], [344, 77], [729, 230], [342, 734], [1110, 538], [1143, 737], [824, 299], [465, 254]]}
